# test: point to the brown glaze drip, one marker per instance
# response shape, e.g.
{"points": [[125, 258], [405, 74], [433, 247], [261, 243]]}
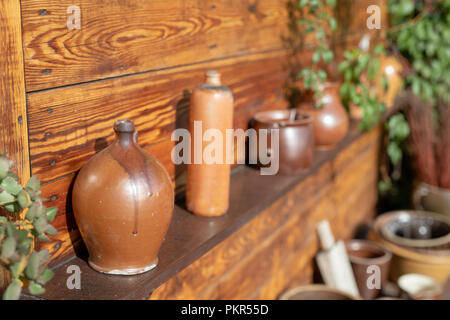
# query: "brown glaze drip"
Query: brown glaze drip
{"points": [[130, 158]]}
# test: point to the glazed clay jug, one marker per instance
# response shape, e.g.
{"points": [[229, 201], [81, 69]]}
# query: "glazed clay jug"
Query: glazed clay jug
{"points": [[392, 70], [208, 180], [330, 122], [123, 201]]}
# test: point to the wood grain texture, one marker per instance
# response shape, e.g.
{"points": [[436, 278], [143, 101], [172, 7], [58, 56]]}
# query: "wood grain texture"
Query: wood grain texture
{"points": [[275, 251], [68, 125], [13, 125], [126, 36]]}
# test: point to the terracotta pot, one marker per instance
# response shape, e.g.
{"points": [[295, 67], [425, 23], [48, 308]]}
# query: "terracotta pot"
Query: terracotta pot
{"points": [[429, 198], [316, 292], [432, 262], [363, 255], [417, 229], [392, 70], [296, 138], [123, 201], [330, 123], [208, 182]]}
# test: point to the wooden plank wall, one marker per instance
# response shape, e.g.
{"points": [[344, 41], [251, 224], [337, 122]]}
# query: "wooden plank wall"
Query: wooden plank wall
{"points": [[131, 59]]}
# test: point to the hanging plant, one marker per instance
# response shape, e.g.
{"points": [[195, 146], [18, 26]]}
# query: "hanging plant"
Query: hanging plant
{"points": [[421, 32], [25, 266], [316, 20], [360, 69]]}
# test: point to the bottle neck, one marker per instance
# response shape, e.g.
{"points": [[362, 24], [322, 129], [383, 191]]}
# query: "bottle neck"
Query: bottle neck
{"points": [[213, 78], [125, 132]]}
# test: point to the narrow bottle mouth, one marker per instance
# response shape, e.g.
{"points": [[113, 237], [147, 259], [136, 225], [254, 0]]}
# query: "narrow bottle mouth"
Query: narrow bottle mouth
{"points": [[213, 77], [124, 126]]}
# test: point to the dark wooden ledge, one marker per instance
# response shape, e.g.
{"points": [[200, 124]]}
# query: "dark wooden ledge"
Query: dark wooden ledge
{"points": [[189, 236]]}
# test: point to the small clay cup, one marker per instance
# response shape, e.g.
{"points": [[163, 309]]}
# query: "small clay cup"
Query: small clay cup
{"points": [[296, 138], [364, 255]]}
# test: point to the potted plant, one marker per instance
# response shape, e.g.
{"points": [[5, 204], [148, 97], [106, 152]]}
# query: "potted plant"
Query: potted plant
{"points": [[421, 32], [320, 98], [20, 265]]}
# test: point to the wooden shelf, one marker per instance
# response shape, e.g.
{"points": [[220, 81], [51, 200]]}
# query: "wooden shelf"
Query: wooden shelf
{"points": [[189, 237]]}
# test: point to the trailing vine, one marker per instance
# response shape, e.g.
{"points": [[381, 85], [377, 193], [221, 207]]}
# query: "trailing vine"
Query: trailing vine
{"points": [[359, 69], [316, 20]]}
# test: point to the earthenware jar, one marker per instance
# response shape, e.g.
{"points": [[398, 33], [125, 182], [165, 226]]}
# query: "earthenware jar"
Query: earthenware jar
{"points": [[364, 255], [391, 72], [208, 180], [430, 260], [418, 229], [295, 136], [429, 198], [330, 122], [123, 201]]}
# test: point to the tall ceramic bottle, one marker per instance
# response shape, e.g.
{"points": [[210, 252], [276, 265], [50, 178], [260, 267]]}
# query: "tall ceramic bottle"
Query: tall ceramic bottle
{"points": [[208, 180], [123, 201]]}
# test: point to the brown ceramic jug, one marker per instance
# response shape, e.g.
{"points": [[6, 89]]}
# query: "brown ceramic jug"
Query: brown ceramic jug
{"points": [[391, 69], [123, 201], [296, 138], [330, 122], [208, 182]]}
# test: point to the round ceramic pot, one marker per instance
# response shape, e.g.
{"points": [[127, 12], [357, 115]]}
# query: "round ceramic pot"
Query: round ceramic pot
{"points": [[429, 198], [123, 201], [434, 262], [296, 138], [418, 229], [330, 122], [316, 292], [364, 255]]}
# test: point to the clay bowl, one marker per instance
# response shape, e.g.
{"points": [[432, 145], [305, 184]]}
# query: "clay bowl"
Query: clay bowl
{"points": [[316, 292], [420, 287], [434, 262], [417, 229], [296, 138], [363, 255], [430, 198]]}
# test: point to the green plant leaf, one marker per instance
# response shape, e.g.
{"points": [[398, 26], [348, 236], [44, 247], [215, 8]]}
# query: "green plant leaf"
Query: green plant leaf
{"points": [[32, 269], [13, 291], [45, 276], [51, 213], [5, 165], [10, 185], [36, 288], [33, 184], [9, 247], [23, 199]]}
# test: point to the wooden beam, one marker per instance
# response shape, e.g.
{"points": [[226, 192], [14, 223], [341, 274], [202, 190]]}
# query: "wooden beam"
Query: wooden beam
{"points": [[13, 111]]}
